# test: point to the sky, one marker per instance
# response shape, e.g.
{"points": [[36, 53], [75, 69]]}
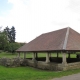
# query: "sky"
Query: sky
{"points": [[32, 18]]}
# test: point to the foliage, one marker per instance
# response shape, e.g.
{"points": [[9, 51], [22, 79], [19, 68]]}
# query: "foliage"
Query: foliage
{"points": [[21, 44], [11, 33], [7, 40], [3, 40], [11, 47], [7, 31]]}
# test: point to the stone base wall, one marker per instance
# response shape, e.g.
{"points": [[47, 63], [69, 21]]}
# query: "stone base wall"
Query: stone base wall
{"points": [[75, 65], [53, 66], [11, 62], [15, 62], [48, 66], [45, 66]]}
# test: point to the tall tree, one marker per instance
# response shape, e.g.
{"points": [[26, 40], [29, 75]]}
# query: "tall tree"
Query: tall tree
{"points": [[7, 31], [13, 34], [3, 40]]}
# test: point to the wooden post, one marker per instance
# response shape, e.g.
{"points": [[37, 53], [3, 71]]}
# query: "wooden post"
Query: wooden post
{"points": [[47, 58]]}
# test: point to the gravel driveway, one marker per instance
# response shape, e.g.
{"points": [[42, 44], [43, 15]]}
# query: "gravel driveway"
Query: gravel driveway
{"points": [[70, 77]]}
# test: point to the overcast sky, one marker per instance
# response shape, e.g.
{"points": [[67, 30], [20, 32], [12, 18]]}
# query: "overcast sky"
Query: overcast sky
{"points": [[32, 18]]}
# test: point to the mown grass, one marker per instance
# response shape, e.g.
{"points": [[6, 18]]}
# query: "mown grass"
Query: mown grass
{"points": [[29, 73], [29, 55]]}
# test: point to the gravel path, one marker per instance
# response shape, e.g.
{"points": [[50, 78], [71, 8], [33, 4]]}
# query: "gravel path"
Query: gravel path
{"points": [[70, 77]]}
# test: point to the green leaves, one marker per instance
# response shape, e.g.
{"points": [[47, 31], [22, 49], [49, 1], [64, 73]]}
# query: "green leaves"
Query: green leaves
{"points": [[3, 40], [7, 40], [12, 47], [11, 33]]}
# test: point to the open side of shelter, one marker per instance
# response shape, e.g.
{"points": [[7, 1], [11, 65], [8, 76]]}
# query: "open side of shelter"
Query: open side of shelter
{"points": [[64, 41]]}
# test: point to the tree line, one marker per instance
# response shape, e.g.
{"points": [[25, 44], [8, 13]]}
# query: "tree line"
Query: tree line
{"points": [[7, 40]]}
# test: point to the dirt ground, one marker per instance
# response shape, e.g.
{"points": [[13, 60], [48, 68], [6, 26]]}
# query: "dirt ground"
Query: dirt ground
{"points": [[70, 77]]}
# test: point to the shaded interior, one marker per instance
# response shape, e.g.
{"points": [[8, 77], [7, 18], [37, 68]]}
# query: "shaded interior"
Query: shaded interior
{"points": [[57, 60]]}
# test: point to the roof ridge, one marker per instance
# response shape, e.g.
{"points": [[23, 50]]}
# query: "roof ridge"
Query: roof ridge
{"points": [[66, 38]]}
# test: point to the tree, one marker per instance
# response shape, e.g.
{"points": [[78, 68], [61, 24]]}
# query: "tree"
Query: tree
{"points": [[7, 31], [12, 47], [3, 40], [11, 33], [7, 39]]}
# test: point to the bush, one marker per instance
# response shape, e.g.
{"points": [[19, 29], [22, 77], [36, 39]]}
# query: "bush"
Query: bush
{"points": [[12, 47]]}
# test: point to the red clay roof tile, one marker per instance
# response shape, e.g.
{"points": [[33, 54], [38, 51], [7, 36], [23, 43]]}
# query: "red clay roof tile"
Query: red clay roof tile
{"points": [[63, 39]]}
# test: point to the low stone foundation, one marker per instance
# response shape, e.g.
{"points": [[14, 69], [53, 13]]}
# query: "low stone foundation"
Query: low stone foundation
{"points": [[74, 65], [43, 65], [15, 62], [53, 66]]}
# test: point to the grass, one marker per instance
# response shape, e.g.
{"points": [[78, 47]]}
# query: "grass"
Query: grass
{"points": [[28, 73], [29, 55]]}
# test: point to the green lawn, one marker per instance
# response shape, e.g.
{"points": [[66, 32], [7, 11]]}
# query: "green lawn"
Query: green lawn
{"points": [[29, 55], [28, 73]]}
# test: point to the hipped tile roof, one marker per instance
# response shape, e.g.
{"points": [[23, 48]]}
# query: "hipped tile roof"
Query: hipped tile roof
{"points": [[63, 39]]}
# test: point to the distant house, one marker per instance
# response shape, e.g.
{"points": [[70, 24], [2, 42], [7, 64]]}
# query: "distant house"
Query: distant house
{"points": [[64, 41]]}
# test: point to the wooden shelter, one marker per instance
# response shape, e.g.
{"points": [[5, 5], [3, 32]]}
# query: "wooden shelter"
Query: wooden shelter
{"points": [[64, 41]]}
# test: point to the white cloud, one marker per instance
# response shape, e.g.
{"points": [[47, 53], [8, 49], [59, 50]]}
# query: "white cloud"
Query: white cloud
{"points": [[75, 6], [19, 17], [34, 17]]}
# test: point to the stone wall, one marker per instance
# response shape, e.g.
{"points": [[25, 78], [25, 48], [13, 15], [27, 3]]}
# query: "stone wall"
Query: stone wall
{"points": [[11, 62], [15, 62], [52, 66], [43, 65], [75, 65]]}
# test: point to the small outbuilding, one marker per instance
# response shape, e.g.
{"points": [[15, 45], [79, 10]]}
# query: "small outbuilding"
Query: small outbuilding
{"points": [[64, 41]]}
